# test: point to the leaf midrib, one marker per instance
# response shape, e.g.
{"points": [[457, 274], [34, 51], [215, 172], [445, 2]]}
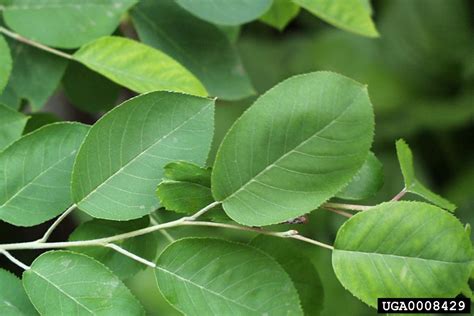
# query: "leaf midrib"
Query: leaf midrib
{"points": [[295, 148], [142, 153]]}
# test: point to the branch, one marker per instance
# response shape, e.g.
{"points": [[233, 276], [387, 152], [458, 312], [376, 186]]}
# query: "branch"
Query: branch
{"points": [[288, 234], [242, 228], [105, 240], [14, 260], [312, 241], [56, 223], [204, 210], [130, 255], [154, 222], [348, 215], [184, 221], [350, 207], [399, 195], [27, 41]]}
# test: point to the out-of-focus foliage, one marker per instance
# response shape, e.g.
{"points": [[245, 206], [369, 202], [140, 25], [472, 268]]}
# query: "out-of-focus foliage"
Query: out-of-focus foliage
{"points": [[212, 58], [87, 90], [28, 80], [64, 23], [280, 13], [350, 15], [5, 62]]}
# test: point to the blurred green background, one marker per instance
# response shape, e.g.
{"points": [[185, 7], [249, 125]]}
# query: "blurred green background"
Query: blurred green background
{"points": [[420, 76]]}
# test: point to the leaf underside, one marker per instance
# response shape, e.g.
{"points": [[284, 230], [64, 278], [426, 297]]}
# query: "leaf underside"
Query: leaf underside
{"points": [[67, 283], [402, 249], [120, 163], [300, 269], [62, 23], [35, 182], [295, 147], [203, 276]]}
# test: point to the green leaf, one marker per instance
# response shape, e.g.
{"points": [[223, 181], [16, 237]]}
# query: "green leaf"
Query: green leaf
{"points": [[28, 79], [10, 98], [62, 23], [121, 161], [67, 283], [405, 159], [295, 147], [222, 73], [349, 15], [12, 124], [186, 188], [226, 12], [412, 184], [38, 120], [280, 13], [232, 32], [87, 90], [204, 276], [300, 269], [5, 63], [368, 6], [402, 249], [366, 183], [144, 246], [189, 172], [137, 66], [13, 299], [35, 182]]}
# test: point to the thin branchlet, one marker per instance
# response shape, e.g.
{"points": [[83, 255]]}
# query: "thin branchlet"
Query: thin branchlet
{"points": [[27, 41], [14, 260], [349, 207], [109, 241]]}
